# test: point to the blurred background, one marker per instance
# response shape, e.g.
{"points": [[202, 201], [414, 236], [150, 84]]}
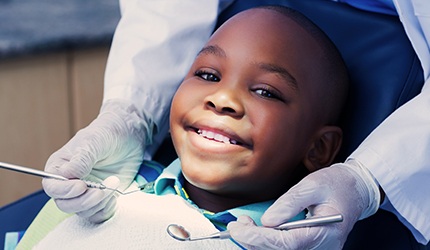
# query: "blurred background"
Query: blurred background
{"points": [[52, 60]]}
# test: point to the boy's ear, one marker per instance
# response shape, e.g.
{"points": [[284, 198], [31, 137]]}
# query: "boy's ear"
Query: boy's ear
{"points": [[324, 148]]}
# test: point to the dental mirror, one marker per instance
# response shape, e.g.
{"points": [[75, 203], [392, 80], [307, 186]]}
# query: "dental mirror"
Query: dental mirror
{"points": [[180, 233]]}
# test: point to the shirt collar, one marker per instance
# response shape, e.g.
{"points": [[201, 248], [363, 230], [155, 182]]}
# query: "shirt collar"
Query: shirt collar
{"points": [[171, 180], [165, 183]]}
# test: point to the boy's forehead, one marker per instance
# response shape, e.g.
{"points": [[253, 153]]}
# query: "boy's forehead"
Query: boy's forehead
{"points": [[262, 22], [263, 28]]}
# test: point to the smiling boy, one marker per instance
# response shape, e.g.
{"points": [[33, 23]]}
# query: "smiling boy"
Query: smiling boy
{"points": [[258, 109], [256, 112]]}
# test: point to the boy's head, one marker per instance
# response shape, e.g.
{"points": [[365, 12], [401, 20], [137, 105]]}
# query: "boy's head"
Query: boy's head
{"points": [[259, 106]]}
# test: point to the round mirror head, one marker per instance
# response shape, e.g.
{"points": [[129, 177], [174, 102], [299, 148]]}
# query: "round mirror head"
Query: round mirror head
{"points": [[178, 232]]}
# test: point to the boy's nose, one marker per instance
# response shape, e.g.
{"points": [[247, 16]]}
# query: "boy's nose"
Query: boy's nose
{"points": [[225, 101]]}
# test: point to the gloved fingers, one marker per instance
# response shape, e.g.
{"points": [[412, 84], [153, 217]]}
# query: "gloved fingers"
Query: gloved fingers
{"points": [[316, 237], [241, 221], [302, 195], [105, 212], [78, 157], [81, 203], [89, 199], [334, 235], [58, 189], [56, 160], [113, 144], [323, 210], [129, 168], [252, 237], [241, 230], [108, 199], [103, 208], [79, 165]]}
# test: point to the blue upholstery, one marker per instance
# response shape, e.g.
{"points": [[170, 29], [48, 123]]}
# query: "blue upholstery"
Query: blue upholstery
{"points": [[385, 73], [18, 215]]}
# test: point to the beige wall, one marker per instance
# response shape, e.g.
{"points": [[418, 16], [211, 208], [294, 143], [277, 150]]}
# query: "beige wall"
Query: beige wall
{"points": [[44, 100]]}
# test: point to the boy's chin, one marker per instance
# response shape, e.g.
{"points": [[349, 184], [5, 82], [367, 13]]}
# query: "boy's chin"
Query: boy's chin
{"points": [[214, 185]]}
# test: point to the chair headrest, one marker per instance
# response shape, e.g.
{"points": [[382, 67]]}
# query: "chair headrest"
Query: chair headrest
{"points": [[384, 69]]}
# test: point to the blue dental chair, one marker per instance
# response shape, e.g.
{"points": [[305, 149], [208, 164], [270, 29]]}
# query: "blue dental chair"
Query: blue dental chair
{"points": [[385, 73]]}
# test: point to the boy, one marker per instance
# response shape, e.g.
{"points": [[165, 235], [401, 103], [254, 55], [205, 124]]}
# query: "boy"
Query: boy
{"points": [[256, 112]]}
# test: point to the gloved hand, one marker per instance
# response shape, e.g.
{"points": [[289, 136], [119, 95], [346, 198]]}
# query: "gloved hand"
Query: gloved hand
{"points": [[112, 144], [347, 189]]}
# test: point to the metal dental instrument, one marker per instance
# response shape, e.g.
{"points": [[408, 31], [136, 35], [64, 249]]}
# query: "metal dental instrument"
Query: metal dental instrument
{"points": [[313, 221], [31, 171], [180, 233], [44, 174]]}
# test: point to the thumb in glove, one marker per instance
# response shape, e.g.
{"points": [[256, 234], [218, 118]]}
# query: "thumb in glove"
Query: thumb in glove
{"points": [[111, 145]]}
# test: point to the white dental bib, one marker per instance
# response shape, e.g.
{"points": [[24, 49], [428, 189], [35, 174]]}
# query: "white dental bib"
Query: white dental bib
{"points": [[140, 222]]}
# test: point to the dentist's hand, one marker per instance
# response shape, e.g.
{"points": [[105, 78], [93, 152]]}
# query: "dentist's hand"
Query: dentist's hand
{"points": [[346, 189], [111, 145]]}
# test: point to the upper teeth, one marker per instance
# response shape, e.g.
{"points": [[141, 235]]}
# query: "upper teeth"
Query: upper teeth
{"points": [[215, 136]]}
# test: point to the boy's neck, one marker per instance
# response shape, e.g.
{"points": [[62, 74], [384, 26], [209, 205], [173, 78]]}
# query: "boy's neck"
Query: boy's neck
{"points": [[214, 202]]}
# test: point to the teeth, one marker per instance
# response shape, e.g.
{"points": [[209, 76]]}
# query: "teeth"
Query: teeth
{"points": [[216, 137]]}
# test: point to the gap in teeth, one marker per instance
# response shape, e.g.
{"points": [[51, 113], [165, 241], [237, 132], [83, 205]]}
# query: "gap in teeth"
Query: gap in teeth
{"points": [[216, 137]]}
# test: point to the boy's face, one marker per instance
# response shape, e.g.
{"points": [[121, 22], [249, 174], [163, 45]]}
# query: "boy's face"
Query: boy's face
{"points": [[243, 118]]}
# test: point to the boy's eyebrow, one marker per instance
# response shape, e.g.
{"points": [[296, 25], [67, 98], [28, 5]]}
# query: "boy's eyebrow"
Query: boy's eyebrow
{"points": [[213, 49], [272, 68]]}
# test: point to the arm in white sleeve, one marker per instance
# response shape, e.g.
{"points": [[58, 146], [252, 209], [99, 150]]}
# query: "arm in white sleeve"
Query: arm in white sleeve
{"points": [[153, 47], [397, 152]]}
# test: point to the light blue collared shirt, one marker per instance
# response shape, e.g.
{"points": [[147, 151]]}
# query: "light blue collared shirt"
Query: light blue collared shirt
{"points": [[171, 180]]}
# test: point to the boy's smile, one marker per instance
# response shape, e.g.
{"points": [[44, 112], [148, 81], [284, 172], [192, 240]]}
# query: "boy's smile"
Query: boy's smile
{"points": [[214, 137]]}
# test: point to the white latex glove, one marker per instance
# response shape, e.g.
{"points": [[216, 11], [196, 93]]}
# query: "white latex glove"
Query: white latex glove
{"points": [[346, 189], [112, 144]]}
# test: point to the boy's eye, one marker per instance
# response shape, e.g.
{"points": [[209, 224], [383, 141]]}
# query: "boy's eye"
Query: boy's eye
{"points": [[269, 94], [208, 76]]}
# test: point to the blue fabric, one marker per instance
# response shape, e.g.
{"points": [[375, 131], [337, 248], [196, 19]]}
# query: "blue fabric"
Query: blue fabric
{"points": [[12, 239], [149, 171], [18, 215], [377, 6]]}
